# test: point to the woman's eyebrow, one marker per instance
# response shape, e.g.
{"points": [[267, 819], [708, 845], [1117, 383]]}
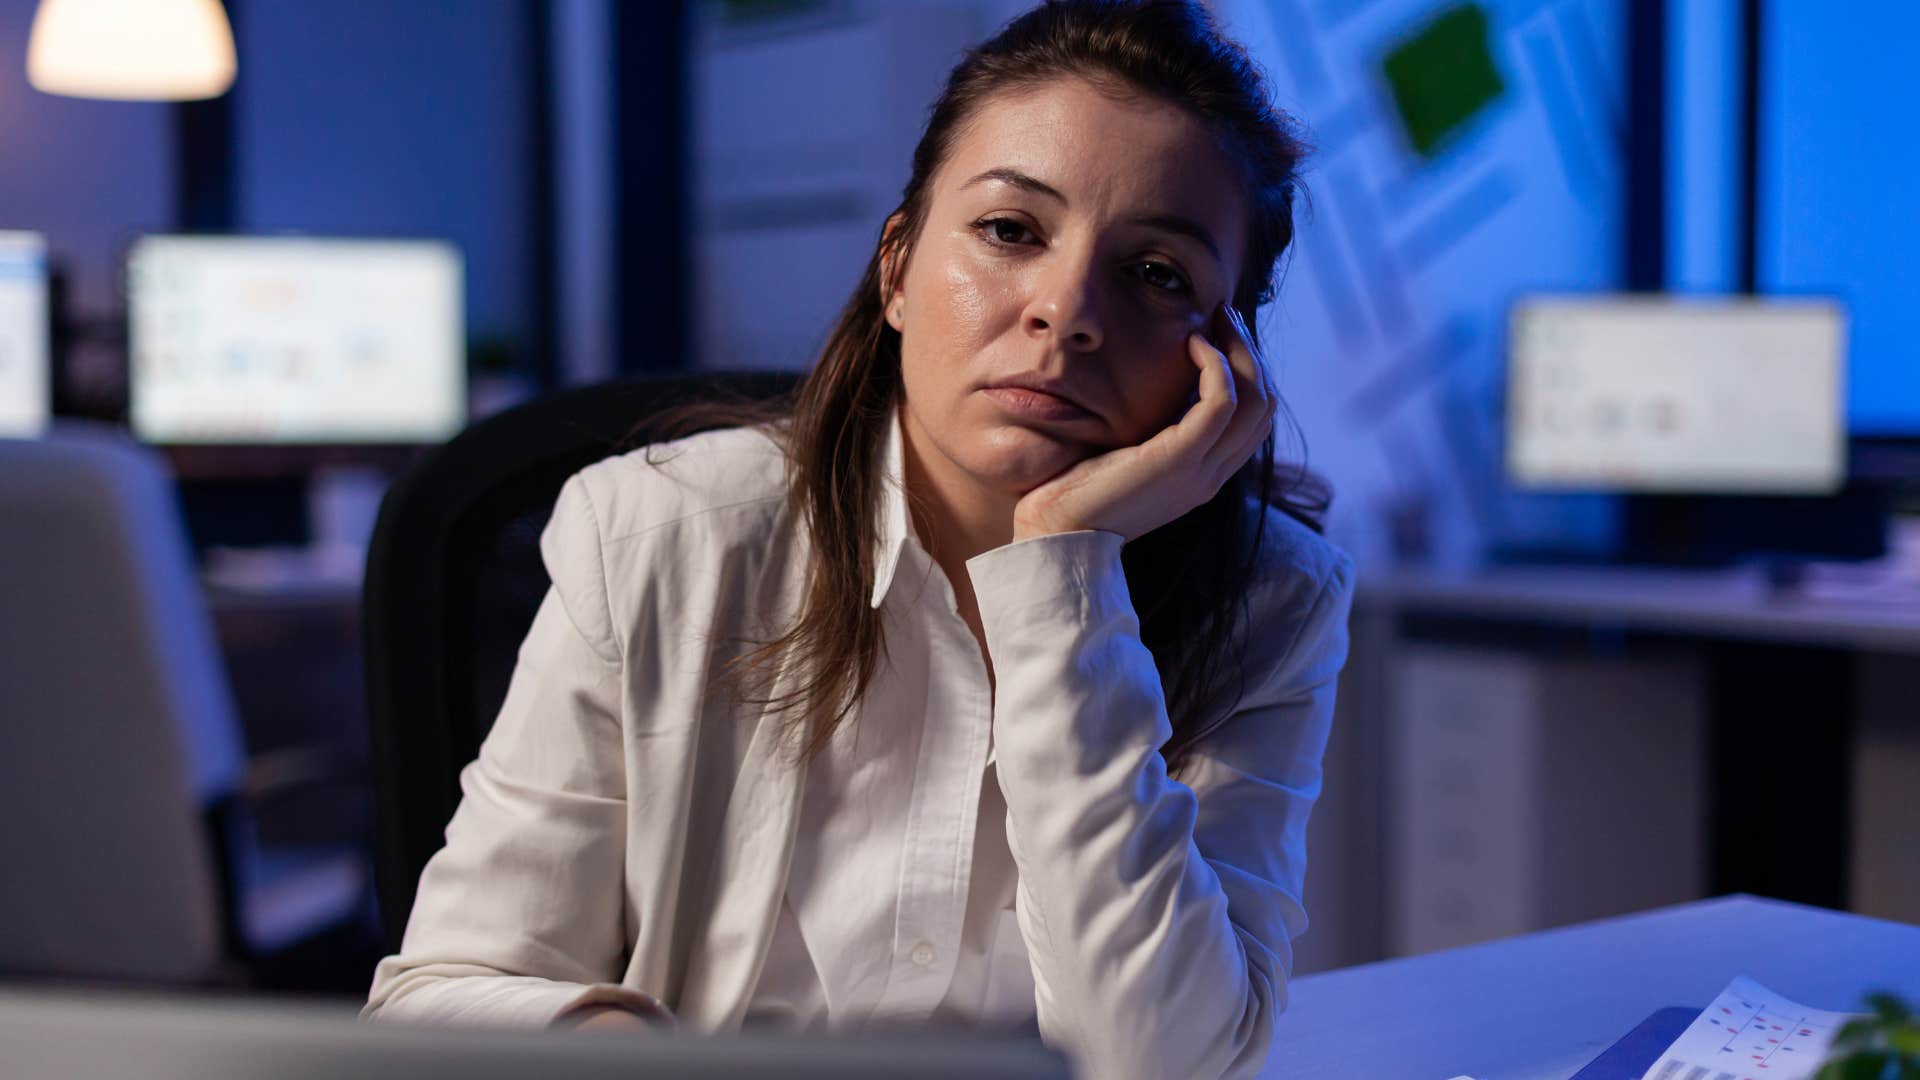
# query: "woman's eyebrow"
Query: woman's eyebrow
{"points": [[1018, 179], [1172, 223]]}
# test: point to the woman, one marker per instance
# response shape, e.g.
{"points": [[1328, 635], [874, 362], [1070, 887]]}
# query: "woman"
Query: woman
{"points": [[986, 681]]}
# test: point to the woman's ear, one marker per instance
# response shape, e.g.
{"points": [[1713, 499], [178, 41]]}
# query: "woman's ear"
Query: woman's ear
{"points": [[892, 300]]}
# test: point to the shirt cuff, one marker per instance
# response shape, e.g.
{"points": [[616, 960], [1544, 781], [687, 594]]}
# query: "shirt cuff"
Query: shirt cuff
{"points": [[1072, 575]]}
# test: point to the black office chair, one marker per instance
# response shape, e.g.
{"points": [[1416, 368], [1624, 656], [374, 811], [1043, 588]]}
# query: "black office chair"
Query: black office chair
{"points": [[454, 577]]}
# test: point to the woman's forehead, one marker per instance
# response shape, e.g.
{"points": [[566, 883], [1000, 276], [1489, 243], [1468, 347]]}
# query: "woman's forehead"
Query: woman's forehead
{"points": [[1103, 153]]}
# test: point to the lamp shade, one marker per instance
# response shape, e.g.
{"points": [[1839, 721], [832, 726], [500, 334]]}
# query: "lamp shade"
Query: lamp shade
{"points": [[131, 50]]}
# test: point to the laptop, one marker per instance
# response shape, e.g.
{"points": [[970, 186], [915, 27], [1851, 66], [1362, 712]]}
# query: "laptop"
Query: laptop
{"points": [[76, 1035]]}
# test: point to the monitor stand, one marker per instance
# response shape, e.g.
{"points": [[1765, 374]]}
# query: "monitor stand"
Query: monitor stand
{"points": [[1783, 533], [283, 534], [245, 512]]}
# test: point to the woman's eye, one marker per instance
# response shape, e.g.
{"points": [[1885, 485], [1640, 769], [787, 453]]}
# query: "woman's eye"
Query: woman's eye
{"points": [[1008, 232], [1162, 276], [1003, 230]]}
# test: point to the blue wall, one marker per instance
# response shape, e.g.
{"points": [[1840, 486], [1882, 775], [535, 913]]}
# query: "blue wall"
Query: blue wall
{"points": [[89, 174], [367, 117]]}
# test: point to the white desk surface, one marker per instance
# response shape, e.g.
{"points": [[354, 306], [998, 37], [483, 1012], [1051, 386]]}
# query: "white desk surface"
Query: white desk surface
{"points": [[1731, 604], [1542, 1005]]}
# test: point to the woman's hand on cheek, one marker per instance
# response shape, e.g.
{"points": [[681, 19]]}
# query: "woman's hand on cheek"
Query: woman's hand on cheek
{"points": [[1136, 489]]}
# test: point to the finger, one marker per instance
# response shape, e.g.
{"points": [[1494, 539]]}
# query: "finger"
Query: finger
{"points": [[1257, 358], [1234, 455], [1269, 394], [1252, 421], [1263, 370], [1260, 432], [1204, 423], [1247, 362]]}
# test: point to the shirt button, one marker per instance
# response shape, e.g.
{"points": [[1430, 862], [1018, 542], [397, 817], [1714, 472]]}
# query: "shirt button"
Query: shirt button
{"points": [[922, 954]]}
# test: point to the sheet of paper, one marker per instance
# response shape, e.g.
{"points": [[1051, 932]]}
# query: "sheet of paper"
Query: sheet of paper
{"points": [[1751, 1033]]}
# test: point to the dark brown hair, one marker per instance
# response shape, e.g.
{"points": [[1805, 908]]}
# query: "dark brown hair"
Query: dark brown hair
{"points": [[1189, 579]]}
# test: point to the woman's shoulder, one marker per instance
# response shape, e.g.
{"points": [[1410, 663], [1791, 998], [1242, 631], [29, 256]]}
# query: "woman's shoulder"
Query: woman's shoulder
{"points": [[654, 527], [708, 480], [1297, 563], [1298, 601]]}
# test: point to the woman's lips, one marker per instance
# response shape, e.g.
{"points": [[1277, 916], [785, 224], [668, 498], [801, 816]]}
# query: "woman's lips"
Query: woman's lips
{"points": [[1034, 404]]}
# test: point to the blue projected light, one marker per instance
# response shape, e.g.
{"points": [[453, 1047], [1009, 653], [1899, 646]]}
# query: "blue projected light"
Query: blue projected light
{"points": [[1834, 162]]}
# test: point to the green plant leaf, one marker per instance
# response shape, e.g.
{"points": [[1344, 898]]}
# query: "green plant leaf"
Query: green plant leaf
{"points": [[1873, 1066], [1868, 1066], [1861, 1030], [1889, 1007]]}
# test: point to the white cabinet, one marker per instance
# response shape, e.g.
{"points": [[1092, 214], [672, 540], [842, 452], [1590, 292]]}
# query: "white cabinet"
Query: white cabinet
{"points": [[1533, 790]]}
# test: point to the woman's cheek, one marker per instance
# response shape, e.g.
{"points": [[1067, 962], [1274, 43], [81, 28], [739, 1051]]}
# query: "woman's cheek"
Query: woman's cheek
{"points": [[1163, 341], [974, 294], [1174, 379]]}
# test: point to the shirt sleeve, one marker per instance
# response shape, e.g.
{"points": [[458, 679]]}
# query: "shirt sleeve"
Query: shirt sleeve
{"points": [[1158, 915], [519, 918]]}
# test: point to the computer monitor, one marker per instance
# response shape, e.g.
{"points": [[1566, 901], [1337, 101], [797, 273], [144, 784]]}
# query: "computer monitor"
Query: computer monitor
{"points": [[1824, 214], [294, 341], [54, 1033], [1654, 395], [26, 399]]}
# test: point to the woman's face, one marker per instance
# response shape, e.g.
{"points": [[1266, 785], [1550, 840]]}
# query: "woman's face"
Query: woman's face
{"points": [[1072, 236]]}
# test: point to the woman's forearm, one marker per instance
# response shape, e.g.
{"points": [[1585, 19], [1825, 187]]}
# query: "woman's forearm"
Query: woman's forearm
{"points": [[1142, 963]]}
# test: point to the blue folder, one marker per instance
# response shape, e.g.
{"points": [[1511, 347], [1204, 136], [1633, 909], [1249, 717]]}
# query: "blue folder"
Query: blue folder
{"points": [[1632, 1056]]}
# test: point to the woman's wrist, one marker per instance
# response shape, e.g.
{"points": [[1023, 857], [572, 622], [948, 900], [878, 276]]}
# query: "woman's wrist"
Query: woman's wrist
{"points": [[610, 1008]]}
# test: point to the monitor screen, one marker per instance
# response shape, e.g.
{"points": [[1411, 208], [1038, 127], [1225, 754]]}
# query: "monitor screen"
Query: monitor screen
{"points": [[281, 340], [1830, 165], [1731, 396], [26, 398]]}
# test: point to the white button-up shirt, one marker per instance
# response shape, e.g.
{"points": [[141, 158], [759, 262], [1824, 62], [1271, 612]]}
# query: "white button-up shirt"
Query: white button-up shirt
{"points": [[900, 902], [627, 834]]}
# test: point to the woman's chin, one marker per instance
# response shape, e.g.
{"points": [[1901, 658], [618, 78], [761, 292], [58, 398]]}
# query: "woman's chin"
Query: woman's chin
{"points": [[1016, 460]]}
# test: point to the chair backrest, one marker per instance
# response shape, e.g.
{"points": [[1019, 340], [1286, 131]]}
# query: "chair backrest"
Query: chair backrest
{"points": [[120, 729], [454, 577]]}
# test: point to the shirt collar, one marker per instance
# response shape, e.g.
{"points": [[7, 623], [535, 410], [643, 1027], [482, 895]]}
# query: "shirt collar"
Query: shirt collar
{"points": [[894, 523]]}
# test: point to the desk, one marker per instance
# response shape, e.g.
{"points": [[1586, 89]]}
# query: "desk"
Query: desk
{"points": [[1784, 674], [1734, 604], [111, 1034], [1540, 1006]]}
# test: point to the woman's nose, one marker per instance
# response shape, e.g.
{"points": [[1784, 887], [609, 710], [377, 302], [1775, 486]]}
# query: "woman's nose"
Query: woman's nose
{"points": [[1066, 307]]}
